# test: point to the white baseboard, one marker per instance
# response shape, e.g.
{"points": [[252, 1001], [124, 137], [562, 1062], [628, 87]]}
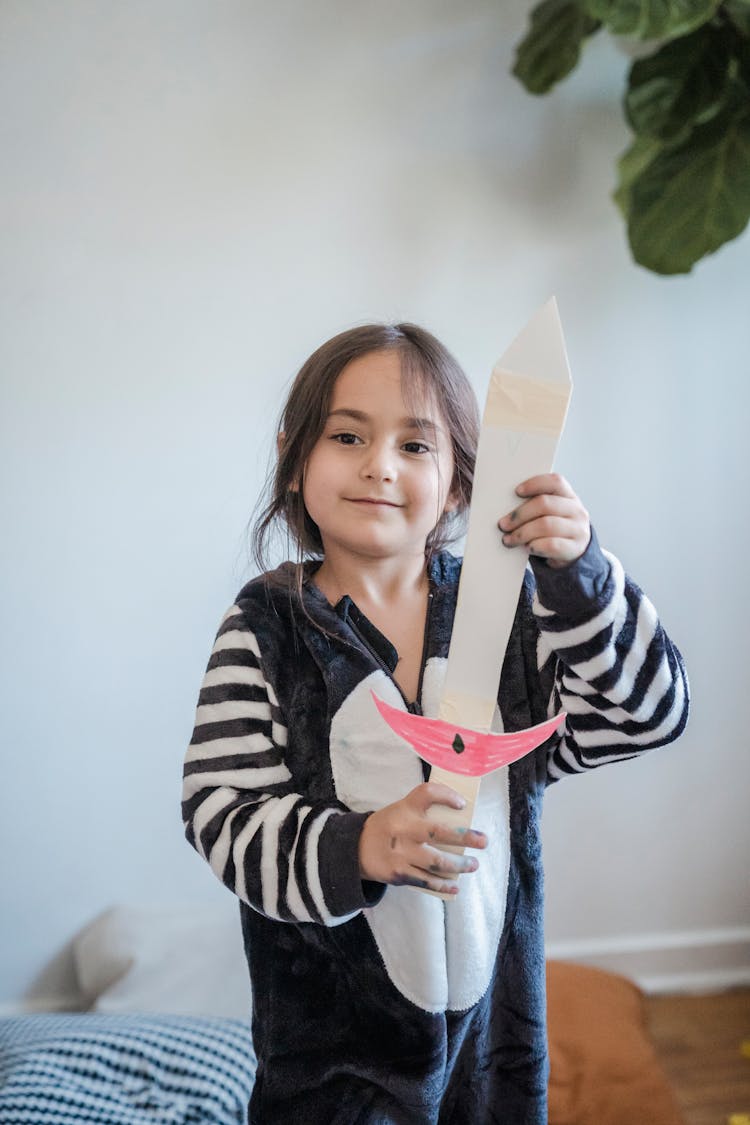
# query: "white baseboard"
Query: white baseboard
{"points": [[40, 1004], [680, 961]]}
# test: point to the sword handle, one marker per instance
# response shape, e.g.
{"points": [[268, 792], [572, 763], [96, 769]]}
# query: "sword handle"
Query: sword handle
{"points": [[468, 787]]}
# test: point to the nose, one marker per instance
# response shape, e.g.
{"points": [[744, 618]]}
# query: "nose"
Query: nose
{"points": [[378, 462]]}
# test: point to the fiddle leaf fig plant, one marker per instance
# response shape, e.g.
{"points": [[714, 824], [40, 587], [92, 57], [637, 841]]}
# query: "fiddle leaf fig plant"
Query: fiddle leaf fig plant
{"points": [[684, 181]]}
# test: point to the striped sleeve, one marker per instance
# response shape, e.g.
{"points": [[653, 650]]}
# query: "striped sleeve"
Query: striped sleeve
{"points": [[613, 668], [288, 857]]}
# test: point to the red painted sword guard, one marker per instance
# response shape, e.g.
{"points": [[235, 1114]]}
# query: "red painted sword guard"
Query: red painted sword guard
{"points": [[459, 749]]}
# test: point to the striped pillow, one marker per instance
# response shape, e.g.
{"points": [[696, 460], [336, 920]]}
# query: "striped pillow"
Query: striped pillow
{"points": [[124, 1069]]}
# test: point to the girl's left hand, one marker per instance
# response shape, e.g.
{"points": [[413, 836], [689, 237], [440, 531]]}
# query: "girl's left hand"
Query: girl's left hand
{"points": [[552, 522]]}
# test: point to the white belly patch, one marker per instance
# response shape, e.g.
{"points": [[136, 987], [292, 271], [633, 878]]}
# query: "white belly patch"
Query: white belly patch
{"points": [[439, 955]]}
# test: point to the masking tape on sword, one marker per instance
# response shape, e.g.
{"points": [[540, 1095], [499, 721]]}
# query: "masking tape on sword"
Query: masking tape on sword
{"points": [[473, 712], [518, 402]]}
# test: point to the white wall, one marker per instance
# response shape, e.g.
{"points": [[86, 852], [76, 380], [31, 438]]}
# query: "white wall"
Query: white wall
{"points": [[195, 195]]}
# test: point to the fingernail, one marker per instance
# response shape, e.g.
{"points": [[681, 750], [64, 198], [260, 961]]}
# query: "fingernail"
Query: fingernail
{"points": [[507, 541]]}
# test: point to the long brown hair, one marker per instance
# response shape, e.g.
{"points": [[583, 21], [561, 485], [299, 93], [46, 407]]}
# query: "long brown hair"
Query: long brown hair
{"points": [[427, 369]]}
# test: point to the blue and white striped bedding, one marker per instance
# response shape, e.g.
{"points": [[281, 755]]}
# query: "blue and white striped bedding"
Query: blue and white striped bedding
{"points": [[124, 1070]]}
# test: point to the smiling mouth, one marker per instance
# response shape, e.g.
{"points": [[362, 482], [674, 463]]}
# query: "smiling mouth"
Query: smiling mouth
{"points": [[373, 502]]}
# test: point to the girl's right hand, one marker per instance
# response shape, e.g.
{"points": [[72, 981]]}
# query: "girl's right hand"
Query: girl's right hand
{"points": [[400, 844]]}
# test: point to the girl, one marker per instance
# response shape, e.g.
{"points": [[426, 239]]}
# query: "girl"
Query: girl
{"points": [[373, 1002]]}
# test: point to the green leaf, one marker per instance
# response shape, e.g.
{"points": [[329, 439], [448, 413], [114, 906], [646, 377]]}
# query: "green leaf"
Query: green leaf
{"points": [[651, 19], [738, 12], [630, 166], [552, 45], [740, 35], [692, 198], [683, 84]]}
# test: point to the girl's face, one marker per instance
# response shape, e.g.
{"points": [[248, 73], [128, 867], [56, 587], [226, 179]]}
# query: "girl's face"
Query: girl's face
{"points": [[378, 479]]}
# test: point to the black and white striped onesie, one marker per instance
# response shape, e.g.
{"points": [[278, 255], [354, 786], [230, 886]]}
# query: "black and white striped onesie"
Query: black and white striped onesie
{"points": [[382, 1004]]}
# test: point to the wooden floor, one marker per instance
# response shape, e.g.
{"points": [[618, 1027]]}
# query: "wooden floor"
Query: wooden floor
{"points": [[699, 1042]]}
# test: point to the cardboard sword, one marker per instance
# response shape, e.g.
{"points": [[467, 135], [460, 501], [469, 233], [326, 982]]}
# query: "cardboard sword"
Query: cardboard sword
{"points": [[523, 419]]}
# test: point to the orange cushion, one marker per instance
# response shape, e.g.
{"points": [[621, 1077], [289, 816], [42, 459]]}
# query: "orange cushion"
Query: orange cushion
{"points": [[603, 1067]]}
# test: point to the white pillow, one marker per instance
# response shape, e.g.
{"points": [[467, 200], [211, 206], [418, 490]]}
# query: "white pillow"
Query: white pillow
{"points": [[187, 960]]}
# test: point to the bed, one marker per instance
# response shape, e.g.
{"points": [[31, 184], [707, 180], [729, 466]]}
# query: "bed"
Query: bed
{"points": [[166, 1037]]}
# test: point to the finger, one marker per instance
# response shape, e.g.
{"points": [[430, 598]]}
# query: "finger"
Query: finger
{"points": [[428, 869], [429, 883], [443, 865], [558, 552], [441, 834], [411, 879], [552, 483], [544, 528], [426, 880], [543, 505], [435, 793]]}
